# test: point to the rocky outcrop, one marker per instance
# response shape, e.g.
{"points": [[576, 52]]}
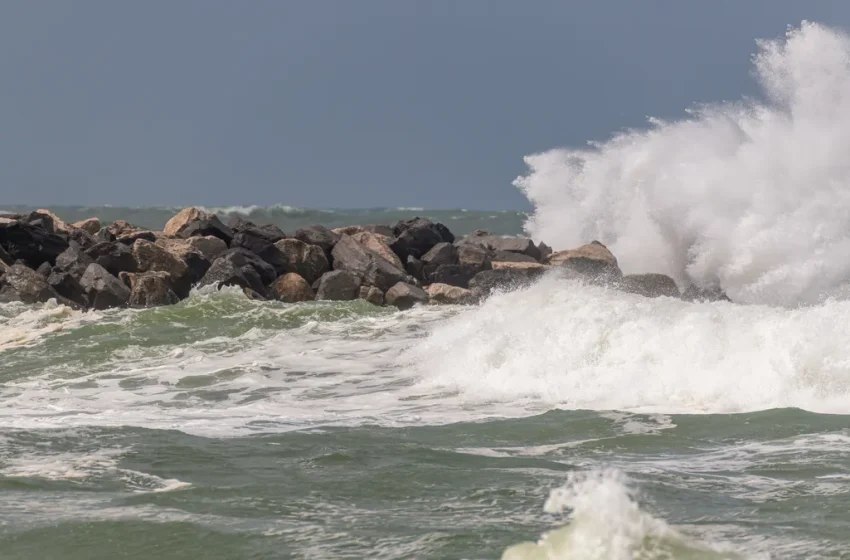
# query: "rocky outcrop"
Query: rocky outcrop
{"points": [[150, 257], [291, 288], [649, 285], [404, 296], [90, 226], [593, 260], [338, 285], [34, 242], [371, 268], [256, 241], [21, 283], [308, 261], [238, 267], [417, 236], [150, 289], [503, 279], [113, 256], [449, 295], [102, 289], [372, 294]]}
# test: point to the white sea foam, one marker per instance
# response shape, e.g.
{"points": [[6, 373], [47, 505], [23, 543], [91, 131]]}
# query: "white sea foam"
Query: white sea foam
{"points": [[754, 197]]}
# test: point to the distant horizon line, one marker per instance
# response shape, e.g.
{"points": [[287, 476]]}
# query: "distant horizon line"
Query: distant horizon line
{"points": [[248, 209]]}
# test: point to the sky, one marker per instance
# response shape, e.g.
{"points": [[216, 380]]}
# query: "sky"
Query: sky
{"points": [[348, 104]]}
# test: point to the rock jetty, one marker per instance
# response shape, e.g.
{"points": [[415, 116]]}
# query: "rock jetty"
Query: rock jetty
{"points": [[89, 265]]}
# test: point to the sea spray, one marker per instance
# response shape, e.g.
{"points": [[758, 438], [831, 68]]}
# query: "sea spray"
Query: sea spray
{"points": [[753, 197]]}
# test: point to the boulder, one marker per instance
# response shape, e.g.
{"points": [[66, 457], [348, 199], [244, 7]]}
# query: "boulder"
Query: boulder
{"points": [[209, 246], [24, 284], [257, 242], [120, 228], [503, 279], [338, 285], [131, 237], [45, 269], [379, 244], [102, 289], [150, 257], [74, 261], [545, 250], [59, 225], [114, 257], [103, 236], [318, 235], [695, 293], [452, 274], [371, 268], [82, 238], [269, 231], [417, 236], [474, 256], [521, 265], [649, 285], [90, 226], [182, 219], [32, 242], [234, 269], [404, 296], [184, 250], [441, 253], [415, 268], [68, 286], [449, 295], [291, 288], [191, 222], [243, 257], [593, 260], [309, 261], [372, 294], [507, 256], [495, 243], [150, 289], [371, 228]]}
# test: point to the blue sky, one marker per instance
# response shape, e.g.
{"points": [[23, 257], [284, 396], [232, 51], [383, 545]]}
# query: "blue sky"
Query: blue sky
{"points": [[348, 103]]}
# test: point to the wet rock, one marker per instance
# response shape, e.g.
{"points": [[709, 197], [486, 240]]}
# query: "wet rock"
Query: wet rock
{"points": [[453, 274], [545, 250], [291, 288], [371, 268], [372, 294], [68, 286], [150, 257], [256, 242], [309, 261], [338, 285], [74, 261], [150, 289], [209, 246], [114, 257], [695, 293], [415, 268], [649, 285], [449, 295], [417, 236], [318, 235], [90, 225], [379, 244], [24, 284], [441, 253], [234, 269], [503, 279], [5, 257], [476, 257], [242, 257], [507, 256], [593, 260], [32, 242], [102, 289], [404, 296]]}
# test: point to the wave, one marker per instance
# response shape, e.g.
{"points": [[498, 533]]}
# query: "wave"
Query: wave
{"points": [[751, 196]]}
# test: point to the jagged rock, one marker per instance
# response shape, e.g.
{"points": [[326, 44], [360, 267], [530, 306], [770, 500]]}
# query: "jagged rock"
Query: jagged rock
{"points": [[404, 296], [150, 289], [133, 236], [309, 261], [694, 293], [270, 232], [338, 285], [242, 257], [184, 250], [68, 286], [649, 285], [372, 294], [476, 257], [234, 269], [417, 236], [209, 246], [371, 268], [90, 226], [114, 257], [81, 237], [120, 228], [59, 225], [449, 295], [545, 250], [508, 256], [379, 244], [32, 242], [150, 257], [453, 274], [441, 253], [494, 243], [415, 268], [104, 236], [291, 288], [191, 222], [102, 289], [505, 279], [21, 283], [73, 260], [45, 269], [593, 260], [256, 242], [371, 228], [318, 235], [182, 219]]}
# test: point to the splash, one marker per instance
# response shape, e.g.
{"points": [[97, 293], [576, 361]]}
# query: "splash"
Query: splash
{"points": [[753, 197]]}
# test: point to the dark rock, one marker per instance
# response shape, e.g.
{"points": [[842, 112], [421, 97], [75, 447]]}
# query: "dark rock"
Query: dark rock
{"points": [[114, 257], [476, 257], [74, 261], [5, 257], [308, 261], [209, 226], [649, 285], [21, 283], [507, 256], [120, 228], [32, 242], [494, 243], [318, 235], [404, 296], [415, 268], [453, 274], [130, 238], [545, 251], [291, 288], [45, 269], [198, 266], [273, 232], [102, 289], [441, 253], [694, 293], [256, 241], [338, 285], [151, 289], [81, 238], [234, 269], [417, 236], [103, 235], [253, 295], [68, 286], [371, 268], [150, 257], [503, 279], [40, 220], [372, 294]]}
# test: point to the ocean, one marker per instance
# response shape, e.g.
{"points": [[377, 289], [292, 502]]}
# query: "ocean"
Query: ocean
{"points": [[559, 421]]}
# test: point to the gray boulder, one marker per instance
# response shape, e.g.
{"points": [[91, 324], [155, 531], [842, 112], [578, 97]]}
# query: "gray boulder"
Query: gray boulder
{"points": [[417, 236], [594, 261], [151, 289], [477, 257], [320, 236], [291, 288], [404, 296], [495, 243], [441, 253], [695, 293], [503, 279], [507, 256], [103, 290], [114, 257], [371, 268], [415, 268], [649, 285], [150, 257], [74, 260], [68, 286], [21, 283], [372, 294], [308, 261], [242, 257], [233, 270], [338, 285], [33, 242], [453, 274]]}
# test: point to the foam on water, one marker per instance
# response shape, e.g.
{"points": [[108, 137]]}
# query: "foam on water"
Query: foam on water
{"points": [[753, 197]]}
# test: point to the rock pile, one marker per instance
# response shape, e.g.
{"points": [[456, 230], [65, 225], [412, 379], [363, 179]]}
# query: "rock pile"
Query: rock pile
{"points": [[91, 265]]}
